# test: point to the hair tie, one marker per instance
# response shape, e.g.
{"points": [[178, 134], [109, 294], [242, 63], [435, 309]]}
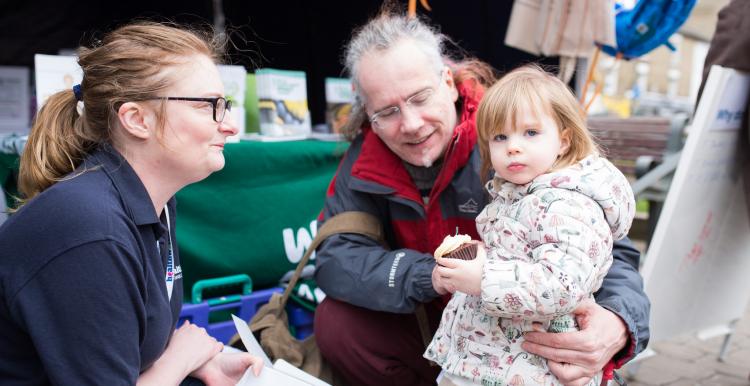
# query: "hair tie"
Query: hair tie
{"points": [[77, 92]]}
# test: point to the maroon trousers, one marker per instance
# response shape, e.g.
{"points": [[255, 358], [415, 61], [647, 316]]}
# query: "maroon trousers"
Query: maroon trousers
{"points": [[374, 348]]}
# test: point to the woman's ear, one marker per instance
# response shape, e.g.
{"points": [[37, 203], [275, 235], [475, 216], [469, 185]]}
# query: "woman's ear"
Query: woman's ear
{"points": [[136, 120]]}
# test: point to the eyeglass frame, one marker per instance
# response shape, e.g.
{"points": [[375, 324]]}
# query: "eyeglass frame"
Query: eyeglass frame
{"points": [[213, 100], [408, 102]]}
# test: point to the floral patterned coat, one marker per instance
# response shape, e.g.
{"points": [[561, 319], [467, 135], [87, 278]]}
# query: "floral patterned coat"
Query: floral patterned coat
{"points": [[549, 246]]}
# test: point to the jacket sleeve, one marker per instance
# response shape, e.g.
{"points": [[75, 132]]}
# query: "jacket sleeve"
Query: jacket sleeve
{"points": [[570, 250], [622, 293], [358, 270]]}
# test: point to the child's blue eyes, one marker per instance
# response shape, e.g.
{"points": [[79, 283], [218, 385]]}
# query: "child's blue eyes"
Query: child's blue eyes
{"points": [[503, 137]]}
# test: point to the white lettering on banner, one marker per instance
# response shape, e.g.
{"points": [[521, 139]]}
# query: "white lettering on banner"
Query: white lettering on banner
{"points": [[304, 292], [316, 295], [319, 294], [296, 248]]}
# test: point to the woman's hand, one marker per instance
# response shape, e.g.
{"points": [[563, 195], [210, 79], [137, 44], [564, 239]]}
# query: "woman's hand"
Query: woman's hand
{"points": [[227, 368], [189, 348], [193, 346], [461, 275]]}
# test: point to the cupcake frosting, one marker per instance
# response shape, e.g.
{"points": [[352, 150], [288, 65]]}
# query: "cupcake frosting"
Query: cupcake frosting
{"points": [[450, 243]]}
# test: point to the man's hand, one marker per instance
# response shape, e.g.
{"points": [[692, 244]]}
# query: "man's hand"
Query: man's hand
{"points": [[437, 282], [575, 357], [462, 275]]}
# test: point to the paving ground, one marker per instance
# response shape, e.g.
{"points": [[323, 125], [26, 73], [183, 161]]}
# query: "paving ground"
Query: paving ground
{"points": [[687, 360]]}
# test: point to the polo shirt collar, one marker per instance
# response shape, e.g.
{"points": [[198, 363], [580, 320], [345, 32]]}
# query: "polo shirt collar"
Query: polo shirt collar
{"points": [[132, 192]]}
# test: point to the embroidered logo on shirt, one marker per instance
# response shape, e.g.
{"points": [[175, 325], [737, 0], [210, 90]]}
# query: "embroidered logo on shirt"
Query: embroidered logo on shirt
{"points": [[470, 206], [178, 272], [170, 271]]}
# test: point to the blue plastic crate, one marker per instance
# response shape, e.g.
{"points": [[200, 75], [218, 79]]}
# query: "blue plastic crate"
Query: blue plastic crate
{"points": [[245, 308], [300, 319]]}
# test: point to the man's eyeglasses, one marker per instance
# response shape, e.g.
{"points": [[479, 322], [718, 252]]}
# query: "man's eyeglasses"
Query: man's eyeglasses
{"points": [[389, 117], [220, 104]]}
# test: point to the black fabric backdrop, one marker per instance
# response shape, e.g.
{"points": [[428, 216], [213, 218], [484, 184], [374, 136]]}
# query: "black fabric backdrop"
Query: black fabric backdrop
{"points": [[293, 34]]}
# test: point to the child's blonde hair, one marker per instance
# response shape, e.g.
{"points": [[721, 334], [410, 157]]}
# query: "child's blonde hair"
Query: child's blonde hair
{"points": [[543, 92]]}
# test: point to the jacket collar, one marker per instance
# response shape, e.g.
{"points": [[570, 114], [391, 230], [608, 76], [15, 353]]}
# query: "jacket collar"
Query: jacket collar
{"points": [[378, 164], [132, 192]]}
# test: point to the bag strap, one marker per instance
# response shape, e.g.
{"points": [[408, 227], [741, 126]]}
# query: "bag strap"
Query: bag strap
{"points": [[345, 222], [361, 223]]}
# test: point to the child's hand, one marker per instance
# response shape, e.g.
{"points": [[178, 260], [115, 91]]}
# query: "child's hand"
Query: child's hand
{"points": [[461, 275]]}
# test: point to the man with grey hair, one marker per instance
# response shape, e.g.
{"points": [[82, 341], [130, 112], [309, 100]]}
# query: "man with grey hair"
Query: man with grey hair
{"points": [[414, 164]]}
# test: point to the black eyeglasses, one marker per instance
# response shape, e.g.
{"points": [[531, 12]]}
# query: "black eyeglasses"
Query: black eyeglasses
{"points": [[220, 104]]}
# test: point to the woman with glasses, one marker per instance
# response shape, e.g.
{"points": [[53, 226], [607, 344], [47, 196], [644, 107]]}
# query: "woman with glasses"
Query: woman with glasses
{"points": [[414, 164], [90, 275]]}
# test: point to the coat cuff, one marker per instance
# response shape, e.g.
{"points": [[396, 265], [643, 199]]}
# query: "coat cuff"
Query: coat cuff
{"points": [[423, 282], [627, 353]]}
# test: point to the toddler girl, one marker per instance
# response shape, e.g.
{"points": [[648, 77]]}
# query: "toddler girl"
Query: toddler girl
{"points": [[556, 208]]}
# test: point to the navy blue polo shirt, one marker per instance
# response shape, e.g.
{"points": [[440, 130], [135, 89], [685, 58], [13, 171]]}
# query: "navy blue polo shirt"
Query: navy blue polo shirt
{"points": [[83, 299]]}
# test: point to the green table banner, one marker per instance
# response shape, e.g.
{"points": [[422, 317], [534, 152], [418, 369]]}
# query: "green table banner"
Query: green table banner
{"points": [[258, 215]]}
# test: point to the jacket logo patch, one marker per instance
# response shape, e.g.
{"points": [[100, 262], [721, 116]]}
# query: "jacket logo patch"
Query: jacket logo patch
{"points": [[394, 266], [470, 206]]}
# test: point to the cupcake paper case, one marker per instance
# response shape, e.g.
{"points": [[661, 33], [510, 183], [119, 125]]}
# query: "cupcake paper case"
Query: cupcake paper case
{"points": [[457, 247]]}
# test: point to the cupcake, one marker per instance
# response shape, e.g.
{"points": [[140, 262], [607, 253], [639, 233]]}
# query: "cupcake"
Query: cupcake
{"points": [[457, 247]]}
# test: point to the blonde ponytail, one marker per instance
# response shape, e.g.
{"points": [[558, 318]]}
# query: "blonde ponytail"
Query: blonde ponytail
{"points": [[57, 144]]}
